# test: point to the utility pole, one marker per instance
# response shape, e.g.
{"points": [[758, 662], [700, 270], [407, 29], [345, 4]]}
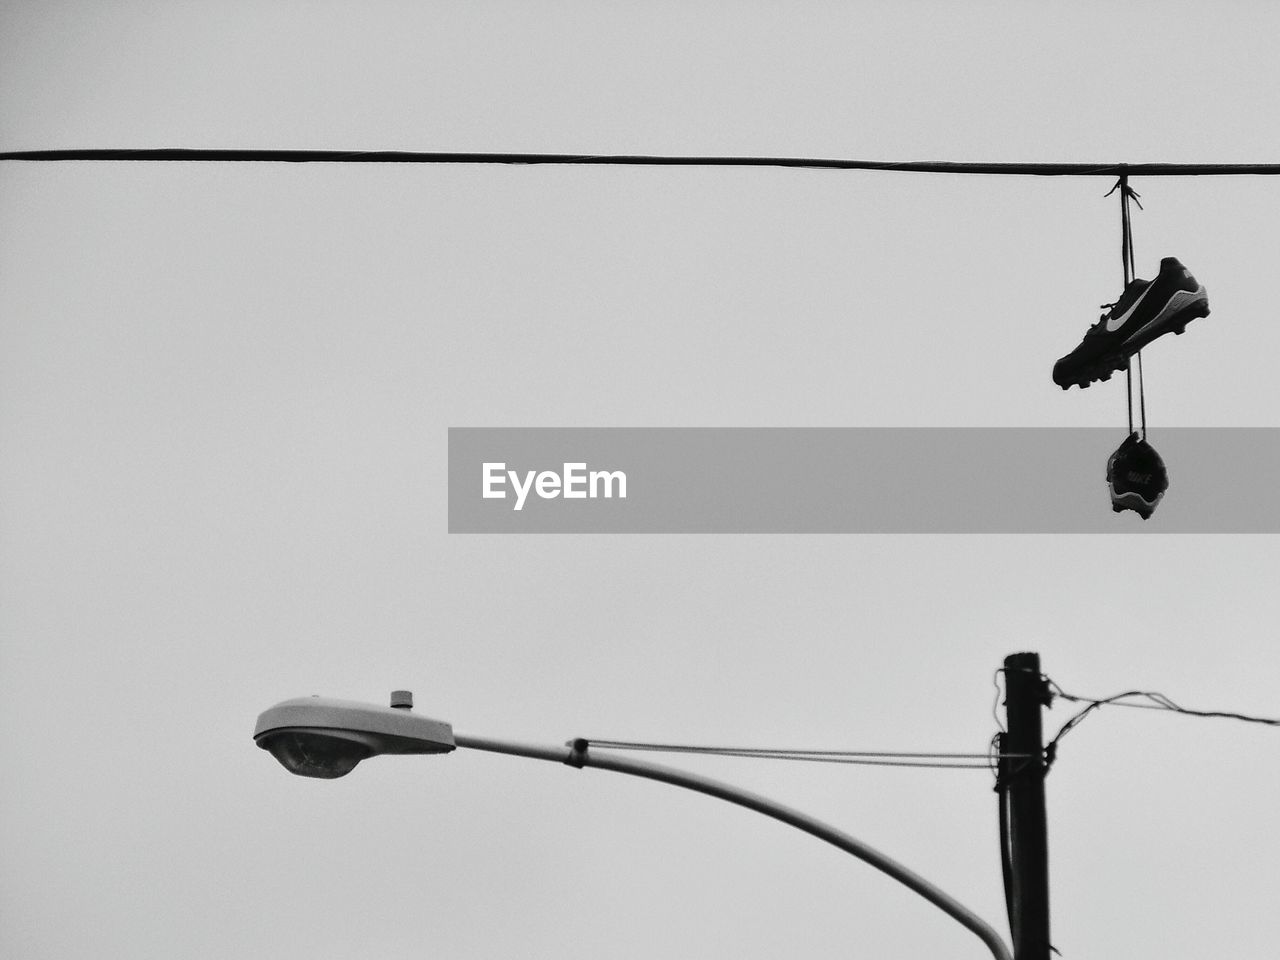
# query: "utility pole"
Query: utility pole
{"points": [[1022, 815]]}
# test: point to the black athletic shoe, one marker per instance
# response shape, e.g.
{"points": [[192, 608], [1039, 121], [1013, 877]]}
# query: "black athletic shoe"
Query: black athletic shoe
{"points": [[1147, 309], [1136, 477]]}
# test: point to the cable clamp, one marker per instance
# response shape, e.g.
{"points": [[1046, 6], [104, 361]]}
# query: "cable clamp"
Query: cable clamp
{"points": [[577, 757]]}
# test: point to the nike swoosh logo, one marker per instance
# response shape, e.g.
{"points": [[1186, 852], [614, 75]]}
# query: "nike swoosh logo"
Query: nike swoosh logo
{"points": [[1115, 323]]}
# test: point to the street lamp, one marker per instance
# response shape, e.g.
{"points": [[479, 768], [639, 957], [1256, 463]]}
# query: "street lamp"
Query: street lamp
{"points": [[326, 738]]}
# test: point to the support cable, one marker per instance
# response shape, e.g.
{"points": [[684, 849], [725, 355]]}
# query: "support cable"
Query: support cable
{"points": [[887, 758]]}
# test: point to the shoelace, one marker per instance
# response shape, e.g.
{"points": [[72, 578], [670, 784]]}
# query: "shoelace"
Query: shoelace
{"points": [[1108, 307], [1131, 287], [1127, 193]]}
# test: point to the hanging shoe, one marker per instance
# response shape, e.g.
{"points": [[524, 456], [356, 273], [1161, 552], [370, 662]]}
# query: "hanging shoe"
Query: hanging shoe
{"points": [[1136, 477], [1147, 309]]}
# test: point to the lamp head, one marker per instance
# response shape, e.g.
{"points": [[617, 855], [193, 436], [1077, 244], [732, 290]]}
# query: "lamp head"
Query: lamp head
{"points": [[326, 738]]}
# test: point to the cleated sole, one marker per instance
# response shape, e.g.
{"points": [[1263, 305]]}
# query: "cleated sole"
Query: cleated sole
{"points": [[1102, 371]]}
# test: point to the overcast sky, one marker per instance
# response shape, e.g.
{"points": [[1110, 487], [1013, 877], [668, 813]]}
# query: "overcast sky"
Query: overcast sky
{"points": [[224, 397]]}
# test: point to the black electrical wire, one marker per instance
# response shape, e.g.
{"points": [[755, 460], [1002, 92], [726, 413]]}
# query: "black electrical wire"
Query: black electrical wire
{"points": [[1162, 702], [1006, 856], [408, 156], [1157, 701], [995, 704]]}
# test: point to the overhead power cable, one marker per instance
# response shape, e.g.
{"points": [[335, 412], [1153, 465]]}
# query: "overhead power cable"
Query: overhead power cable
{"points": [[1155, 701], [409, 156], [1160, 702]]}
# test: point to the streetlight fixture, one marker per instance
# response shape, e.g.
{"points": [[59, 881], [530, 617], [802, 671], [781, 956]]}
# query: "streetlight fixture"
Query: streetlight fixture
{"points": [[326, 738]]}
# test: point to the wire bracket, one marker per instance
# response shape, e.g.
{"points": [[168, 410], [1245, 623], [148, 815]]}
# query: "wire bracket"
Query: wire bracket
{"points": [[577, 757]]}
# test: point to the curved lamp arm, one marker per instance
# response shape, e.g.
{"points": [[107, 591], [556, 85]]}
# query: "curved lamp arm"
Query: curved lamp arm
{"points": [[577, 755]]}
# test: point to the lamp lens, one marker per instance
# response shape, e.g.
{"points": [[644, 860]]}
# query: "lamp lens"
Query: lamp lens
{"points": [[315, 754]]}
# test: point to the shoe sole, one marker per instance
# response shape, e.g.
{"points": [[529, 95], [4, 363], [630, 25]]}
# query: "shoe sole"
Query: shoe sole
{"points": [[1135, 502], [1183, 307]]}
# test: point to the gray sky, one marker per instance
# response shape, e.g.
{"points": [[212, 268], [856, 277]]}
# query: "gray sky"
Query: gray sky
{"points": [[224, 396]]}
